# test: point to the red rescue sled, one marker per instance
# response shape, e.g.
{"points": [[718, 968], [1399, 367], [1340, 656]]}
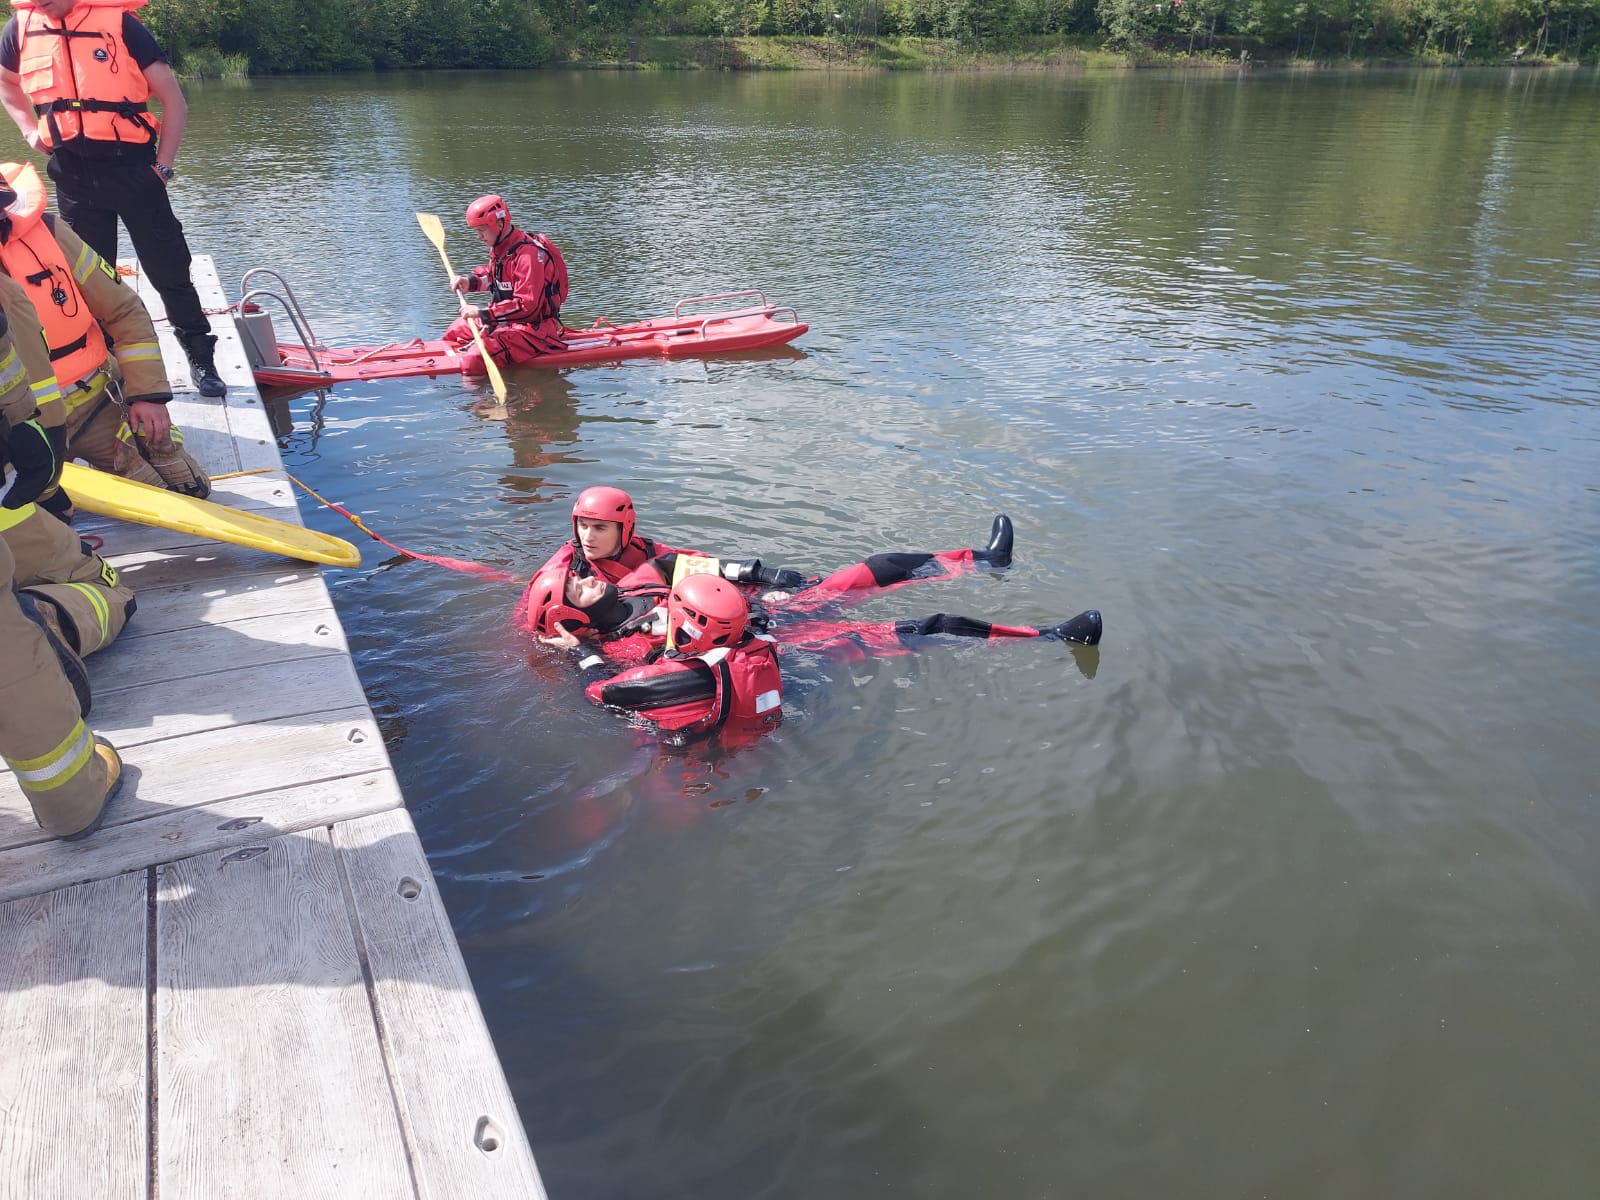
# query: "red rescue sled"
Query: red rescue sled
{"points": [[690, 330]]}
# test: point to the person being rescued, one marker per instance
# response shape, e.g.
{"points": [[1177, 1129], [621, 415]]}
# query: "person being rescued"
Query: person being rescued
{"points": [[526, 279], [606, 545], [606, 542], [632, 620], [97, 340]]}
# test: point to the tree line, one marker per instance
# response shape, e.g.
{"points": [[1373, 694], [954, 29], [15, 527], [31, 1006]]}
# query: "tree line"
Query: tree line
{"points": [[290, 36]]}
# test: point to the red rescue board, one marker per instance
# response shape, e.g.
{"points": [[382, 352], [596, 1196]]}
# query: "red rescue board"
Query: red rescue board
{"points": [[677, 336]]}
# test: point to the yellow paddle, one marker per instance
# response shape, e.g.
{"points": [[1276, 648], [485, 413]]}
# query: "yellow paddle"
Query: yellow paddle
{"points": [[435, 234]]}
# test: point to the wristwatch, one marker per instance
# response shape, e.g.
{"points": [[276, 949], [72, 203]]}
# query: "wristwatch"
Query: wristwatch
{"points": [[167, 173]]}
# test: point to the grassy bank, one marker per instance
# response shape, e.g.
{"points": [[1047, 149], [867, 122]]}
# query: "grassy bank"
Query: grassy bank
{"points": [[866, 53], [799, 53]]}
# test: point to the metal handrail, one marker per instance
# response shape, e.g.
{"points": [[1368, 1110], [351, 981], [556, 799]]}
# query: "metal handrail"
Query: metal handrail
{"points": [[770, 311], [291, 306], [761, 297]]}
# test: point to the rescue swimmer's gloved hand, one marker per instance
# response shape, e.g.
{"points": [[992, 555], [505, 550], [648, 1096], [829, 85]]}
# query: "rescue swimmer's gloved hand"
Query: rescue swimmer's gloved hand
{"points": [[781, 577], [31, 452], [743, 571]]}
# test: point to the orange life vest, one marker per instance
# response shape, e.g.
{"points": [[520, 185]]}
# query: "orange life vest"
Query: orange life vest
{"points": [[80, 76], [30, 254]]}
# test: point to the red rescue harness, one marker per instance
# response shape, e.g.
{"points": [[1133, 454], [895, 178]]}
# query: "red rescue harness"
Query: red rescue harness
{"points": [[555, 275]]}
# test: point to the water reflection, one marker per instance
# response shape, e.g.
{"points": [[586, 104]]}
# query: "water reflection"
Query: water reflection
{"points": [[1290, 376]]}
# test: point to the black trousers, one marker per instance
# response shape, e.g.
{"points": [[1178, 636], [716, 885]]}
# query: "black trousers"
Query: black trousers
{"points": [[92, 193]]}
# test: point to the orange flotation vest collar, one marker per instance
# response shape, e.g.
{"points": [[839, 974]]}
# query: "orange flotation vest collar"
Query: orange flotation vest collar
{"points": [[32, 257]]}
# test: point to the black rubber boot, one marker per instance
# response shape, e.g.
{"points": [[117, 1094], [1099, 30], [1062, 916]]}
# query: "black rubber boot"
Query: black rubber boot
{"points": [[1084, 629], [998, 552]]}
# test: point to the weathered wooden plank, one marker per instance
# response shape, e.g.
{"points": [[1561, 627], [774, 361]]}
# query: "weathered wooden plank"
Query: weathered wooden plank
{"points": [[221, 699], [207, 444], [270, 1079], [265, 591], [461, 1122], [119, 538], [274, 1078], [205, 416], [250, 424], [201, 562], [266, 490], [73, 1075], [179, 833], [206, 768], [197, 649]]}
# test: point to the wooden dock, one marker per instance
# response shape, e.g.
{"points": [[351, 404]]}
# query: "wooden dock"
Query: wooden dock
{"points": [[244, 984]]}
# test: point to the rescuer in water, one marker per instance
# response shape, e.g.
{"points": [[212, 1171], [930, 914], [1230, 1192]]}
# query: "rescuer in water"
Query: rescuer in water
{"points": [[606, 544], [710, 671], [641, 619]]}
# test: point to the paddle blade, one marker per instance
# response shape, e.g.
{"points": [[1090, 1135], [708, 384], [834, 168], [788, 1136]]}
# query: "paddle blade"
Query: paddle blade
{"points": [[496, 380], [435, 234], [432, 229]]}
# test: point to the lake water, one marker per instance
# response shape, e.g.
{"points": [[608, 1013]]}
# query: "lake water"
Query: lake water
{"points": [[1289, 890]]}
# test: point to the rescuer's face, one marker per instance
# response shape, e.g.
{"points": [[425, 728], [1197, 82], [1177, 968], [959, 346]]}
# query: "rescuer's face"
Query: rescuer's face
{"points": [[55, 9], [599, 539]]}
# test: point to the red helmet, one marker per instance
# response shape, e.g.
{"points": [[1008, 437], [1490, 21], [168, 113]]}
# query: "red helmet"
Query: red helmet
{"points": [[546, 607], [605, 504], [490, 211], [704, 612]]}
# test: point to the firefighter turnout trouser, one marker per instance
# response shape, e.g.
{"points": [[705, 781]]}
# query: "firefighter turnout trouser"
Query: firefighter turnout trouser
{"points": [[52, 566], [98, 433], [43, 737]]}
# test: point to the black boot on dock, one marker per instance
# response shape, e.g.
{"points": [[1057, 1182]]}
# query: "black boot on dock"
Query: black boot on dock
{"points": [[200, 349]]}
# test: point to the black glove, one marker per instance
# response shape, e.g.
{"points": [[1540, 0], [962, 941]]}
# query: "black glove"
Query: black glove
{"points": [[32, 453], [781, 577], [58, 445], [744, 571]]}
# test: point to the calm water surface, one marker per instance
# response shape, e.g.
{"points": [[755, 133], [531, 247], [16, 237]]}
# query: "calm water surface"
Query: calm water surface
{"points": [[1290, 890]]}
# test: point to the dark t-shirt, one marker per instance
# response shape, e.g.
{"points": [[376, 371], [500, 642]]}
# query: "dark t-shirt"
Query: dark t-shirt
{"points": [[141, 44]]}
